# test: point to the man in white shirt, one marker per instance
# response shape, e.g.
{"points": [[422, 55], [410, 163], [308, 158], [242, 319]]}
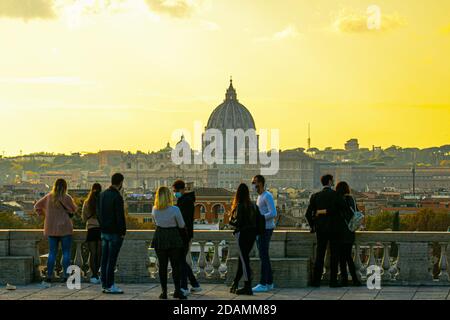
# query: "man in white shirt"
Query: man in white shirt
{"points": [[267, 208]]}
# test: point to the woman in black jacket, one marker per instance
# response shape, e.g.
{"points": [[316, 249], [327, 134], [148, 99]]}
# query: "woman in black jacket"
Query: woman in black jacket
{"points": [[348, 237], [243, 219]]}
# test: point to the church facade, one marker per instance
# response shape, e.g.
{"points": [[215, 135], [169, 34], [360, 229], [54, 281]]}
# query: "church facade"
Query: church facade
{"points": [[148, 171]]}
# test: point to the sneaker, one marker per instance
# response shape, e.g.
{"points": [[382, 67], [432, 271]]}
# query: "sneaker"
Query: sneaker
{"points": [[270, 287], [114, 290], [185, 292], [196, 289], [46, 284], [260, 288], [95, 280]]}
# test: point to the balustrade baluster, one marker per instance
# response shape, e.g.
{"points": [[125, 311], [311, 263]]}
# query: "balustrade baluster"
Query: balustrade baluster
{"points": [[216, 261], [386, 264], [357, 259], [443, 275], [371, 261], [202, 260], [79, 257]]}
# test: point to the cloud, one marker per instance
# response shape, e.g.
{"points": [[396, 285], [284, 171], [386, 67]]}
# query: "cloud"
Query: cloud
{"points": [[27, 9], [290, 32], [174, 8], [347, 21]]}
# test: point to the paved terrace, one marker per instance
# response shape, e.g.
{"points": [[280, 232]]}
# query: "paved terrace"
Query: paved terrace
{"points": [[220, 292], [412, 265]]}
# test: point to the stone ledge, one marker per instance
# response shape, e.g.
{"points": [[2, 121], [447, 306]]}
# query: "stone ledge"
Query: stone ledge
{"points": [[287, 272], [16, 270]]}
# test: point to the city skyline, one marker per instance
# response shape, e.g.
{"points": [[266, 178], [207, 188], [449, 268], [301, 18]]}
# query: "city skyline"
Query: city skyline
{"points": [[125, 76]]}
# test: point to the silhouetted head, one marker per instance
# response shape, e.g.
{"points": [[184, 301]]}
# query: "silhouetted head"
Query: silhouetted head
{"points": [[242, 196], [258, 183], [163, 198], [327, 180], [342, 188], [91, 199], [59, 190], [117, 180]]}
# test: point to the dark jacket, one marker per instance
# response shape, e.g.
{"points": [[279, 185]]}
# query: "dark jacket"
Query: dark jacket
{"points": [[333, 207], [349, 236], [186, 204], [111, 212], [244, 219]]}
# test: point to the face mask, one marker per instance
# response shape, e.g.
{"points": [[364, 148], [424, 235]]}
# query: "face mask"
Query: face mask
{"points": [[255, 187], [177, 195]]}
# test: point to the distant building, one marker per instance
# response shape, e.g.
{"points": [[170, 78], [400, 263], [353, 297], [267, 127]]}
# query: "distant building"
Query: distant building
{"points": [[352, 145]]}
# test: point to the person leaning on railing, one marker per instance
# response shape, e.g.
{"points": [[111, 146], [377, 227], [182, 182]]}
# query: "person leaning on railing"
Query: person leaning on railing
{"points": [[169, 240], [58, 208], [93, 238]]}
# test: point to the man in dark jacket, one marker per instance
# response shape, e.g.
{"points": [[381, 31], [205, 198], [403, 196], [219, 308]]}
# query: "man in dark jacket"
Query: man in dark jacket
{"points": [[324, 215], [186, 203], [111, 216]]}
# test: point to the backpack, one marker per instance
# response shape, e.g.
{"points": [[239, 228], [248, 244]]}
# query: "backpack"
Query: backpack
{"points": [[357, 219], [260, 221]]}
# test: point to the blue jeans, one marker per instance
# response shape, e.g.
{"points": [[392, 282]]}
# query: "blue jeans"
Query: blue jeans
{"points": [[111, 244], [66, 244], [263, 244]]}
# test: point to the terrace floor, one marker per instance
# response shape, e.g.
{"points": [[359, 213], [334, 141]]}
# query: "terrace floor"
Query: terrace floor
{"points": [[220, 292]]}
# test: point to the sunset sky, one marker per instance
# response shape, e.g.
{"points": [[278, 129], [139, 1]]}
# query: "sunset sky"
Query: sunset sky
{"points": [[93, 75]]}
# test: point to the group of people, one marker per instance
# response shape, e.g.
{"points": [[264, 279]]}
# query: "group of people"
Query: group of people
{"points": [[175, 230], [104, 214], [173, 211], [329, 214]]}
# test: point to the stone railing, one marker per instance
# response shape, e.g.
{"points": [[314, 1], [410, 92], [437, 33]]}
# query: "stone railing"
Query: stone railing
{"points": [[405, 258]]}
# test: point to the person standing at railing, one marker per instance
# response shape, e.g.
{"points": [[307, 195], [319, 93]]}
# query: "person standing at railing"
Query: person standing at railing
{"points": [[169, 240], [324, 215], [186, 204], [111, 216], [348, 237], [266, 205], [58, 208], [93, 239], [244, 220]]}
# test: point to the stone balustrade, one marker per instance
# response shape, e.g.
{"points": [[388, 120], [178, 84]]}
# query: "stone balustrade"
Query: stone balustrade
{"points": [[405, 258]]}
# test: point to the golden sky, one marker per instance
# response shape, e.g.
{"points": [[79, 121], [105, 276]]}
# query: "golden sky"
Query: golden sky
{"points": [[124, 74]]}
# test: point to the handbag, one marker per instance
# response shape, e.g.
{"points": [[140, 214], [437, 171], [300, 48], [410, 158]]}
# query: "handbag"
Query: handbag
{"points": [[69, 213], [357, 219]]}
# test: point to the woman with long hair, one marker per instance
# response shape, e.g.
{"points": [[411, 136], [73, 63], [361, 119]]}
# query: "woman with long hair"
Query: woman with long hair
{"points": [[168, 240], [243, 219], [348, 237], [58, 208], [93, 239]]}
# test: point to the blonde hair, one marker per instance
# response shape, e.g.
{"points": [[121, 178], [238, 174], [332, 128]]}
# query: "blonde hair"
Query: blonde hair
{"points": [[163, 199], [59, 190]]}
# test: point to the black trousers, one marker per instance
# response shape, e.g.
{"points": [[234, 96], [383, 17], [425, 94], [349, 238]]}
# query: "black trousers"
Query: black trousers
{"points": [[323, 239], [345, 260], [246, 241], [186, 270], [174, 255]]}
